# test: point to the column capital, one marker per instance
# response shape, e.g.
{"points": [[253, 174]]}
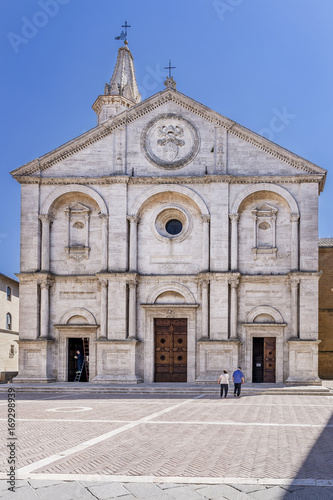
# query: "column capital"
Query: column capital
{"points": [[294, 281], [234, 218], [205, 218], [104, 217], [45, 283], [103, 282], [133, 219], [44, 218], [204, 283], [294, 218], [132, 283], [234, 282]]}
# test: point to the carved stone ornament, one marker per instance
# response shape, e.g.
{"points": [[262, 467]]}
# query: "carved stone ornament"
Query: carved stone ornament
{"points": [[170, 141]]}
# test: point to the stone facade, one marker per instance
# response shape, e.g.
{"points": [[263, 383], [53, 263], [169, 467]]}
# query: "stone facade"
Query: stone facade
{"points": [[168, 210], [326, 308], [9, 327]]}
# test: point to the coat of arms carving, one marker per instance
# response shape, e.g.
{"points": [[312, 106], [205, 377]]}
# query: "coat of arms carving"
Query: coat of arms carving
{"points": [[170, 141]]}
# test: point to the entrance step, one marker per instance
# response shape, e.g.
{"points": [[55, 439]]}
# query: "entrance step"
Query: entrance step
{"points": [[182, 389]]}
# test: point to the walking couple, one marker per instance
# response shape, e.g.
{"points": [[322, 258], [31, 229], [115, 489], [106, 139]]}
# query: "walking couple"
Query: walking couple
{"points": [[238, 379]]}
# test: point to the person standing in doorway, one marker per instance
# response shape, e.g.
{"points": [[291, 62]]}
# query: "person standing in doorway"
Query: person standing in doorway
{"points": [[238, 379], [79, 356], [224, 383]]}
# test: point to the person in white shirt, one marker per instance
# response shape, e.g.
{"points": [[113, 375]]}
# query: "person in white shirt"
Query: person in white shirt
{"points": [[224, 383]]}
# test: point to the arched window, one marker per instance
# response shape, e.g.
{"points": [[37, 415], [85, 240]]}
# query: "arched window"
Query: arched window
{"points": [[8, 321], [9, 293]]}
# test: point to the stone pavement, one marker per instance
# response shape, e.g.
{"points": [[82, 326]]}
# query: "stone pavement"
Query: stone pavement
{"points": [[96, 446]]}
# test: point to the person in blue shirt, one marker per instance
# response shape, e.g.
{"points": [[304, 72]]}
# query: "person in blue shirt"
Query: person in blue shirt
{"points": [[238, 379]]}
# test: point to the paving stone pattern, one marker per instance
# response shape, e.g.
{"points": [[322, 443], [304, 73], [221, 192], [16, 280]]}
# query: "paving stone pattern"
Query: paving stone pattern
{"points": [[262, 447]]}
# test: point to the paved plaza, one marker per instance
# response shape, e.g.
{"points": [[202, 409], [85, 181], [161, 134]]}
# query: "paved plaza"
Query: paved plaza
{"points": [[73, 446]]}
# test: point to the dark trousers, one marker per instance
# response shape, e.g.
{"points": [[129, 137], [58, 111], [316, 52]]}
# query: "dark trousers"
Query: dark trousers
{"points": [[237, 388], [225, 386]]}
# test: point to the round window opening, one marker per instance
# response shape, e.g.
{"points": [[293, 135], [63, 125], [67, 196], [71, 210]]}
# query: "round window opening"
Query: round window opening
{"points": [[173, 227]]}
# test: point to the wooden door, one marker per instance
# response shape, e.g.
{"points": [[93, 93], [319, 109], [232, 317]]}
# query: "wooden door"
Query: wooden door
{"points": [[170, 350], [269, 359]]}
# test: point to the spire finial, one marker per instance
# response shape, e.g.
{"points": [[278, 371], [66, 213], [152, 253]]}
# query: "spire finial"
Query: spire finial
{"points": [[169, 82], [123, 34]]}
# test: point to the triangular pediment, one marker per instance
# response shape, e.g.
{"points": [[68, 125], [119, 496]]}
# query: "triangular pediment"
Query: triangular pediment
{"points": [[148, 106]]}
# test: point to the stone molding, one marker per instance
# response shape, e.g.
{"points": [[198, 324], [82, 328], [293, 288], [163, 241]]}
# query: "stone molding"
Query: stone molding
{"points": [[148, 105], [206, 179], [185, 191], [73, 188]]}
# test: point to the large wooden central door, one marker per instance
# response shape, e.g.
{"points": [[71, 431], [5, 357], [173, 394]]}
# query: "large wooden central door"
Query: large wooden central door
{"points": [[264, 356], [170, 350]]}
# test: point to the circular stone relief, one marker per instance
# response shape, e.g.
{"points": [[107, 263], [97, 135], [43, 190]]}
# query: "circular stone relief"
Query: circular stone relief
{"points": [[170, 141]]}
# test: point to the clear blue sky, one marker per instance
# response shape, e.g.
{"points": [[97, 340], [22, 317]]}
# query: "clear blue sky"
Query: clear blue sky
{"points": [[247, 59]]}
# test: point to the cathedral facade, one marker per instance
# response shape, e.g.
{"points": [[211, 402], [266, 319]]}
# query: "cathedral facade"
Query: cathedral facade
{"points": [[174, 241]]}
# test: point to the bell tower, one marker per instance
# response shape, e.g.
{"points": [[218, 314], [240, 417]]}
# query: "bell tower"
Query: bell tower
{"points": [[122, 92]]}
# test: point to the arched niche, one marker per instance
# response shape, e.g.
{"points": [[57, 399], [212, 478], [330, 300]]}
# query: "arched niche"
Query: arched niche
{"points": [[73, 188], [179, 290], [264, 311], [265, 187], [169, 188], [69, 316]]}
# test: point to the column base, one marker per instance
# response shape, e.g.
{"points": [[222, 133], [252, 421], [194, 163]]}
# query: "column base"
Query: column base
{"points": [[215, 356], [303, 362], [32, 380], [118, 361], [117, 379], [294, 381]]}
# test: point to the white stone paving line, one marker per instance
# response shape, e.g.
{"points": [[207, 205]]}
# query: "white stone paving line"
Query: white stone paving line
{"points": [[162, 422], [267, 481], [228, 422], [23, 472]]}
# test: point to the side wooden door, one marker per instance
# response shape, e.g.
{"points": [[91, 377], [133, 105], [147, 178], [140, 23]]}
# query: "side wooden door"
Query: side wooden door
{"points": [[269, 359]]}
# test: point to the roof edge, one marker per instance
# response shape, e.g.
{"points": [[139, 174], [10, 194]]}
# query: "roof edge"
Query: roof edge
{"points": [[129, 115]]}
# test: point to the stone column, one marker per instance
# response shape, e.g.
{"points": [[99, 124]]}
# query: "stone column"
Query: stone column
{"points": [[44, 308], [104, 308], [204, 309], [133, 247], [233, 307], [132, 310], [234, 241], [205, 242], [294, 218], [45, 243], [294, 284], [105, 247]]}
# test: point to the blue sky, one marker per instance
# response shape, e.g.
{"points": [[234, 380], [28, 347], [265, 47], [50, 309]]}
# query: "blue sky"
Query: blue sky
{"points": [[249, 60]]}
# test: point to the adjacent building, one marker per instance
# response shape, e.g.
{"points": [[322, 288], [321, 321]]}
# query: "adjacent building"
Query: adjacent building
{"points": [[326, 308], [9, 327], [175, 241]]}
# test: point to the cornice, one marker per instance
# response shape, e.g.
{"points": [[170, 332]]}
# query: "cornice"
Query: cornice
{"points": [[204, 179], [150, 104]]}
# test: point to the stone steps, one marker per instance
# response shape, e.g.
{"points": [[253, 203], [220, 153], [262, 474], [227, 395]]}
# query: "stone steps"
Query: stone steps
{"points": [[171, 389]]}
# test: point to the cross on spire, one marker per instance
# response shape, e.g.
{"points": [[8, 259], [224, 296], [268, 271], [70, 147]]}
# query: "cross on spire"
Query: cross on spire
{"points": [[123, 34], [170, 68]]}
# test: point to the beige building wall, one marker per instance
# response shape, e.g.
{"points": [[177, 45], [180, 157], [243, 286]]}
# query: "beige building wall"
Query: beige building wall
{"points": [[9, 330]]}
